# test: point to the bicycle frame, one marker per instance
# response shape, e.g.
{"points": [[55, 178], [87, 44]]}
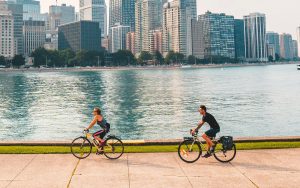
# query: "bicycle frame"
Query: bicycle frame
{"points": [[196, 138], [90, 137]]}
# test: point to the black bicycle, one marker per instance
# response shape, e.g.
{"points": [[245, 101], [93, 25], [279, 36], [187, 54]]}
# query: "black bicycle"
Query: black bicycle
{"points": [[190, 150], [112, 148]]}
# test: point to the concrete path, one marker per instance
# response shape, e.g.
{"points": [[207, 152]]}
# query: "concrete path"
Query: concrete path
{"points": [[259, 168]]}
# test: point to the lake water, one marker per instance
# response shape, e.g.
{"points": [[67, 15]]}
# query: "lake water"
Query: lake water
{"points": [[150, 104]]}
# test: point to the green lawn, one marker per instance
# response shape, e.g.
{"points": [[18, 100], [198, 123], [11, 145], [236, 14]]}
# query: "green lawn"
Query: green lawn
{"points": [[140, 149]]}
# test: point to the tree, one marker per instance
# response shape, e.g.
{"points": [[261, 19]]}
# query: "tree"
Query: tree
{"points": [[18, 61], [123, 58], [2, 60], [170, 58], [192, 60], [158, 57], [40, 57], [179, 58], [277, 57], [270, 58], [144, 57], [66, 55]]}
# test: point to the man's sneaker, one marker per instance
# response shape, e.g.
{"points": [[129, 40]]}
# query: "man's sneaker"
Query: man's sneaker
{"points": [[212, 149], [207, 155]]}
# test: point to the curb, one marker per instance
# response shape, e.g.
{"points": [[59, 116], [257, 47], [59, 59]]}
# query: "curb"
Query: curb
{"points": [[152, 142]]}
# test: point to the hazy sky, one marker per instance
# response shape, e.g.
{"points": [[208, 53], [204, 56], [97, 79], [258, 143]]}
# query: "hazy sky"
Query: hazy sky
{"points": [[282, 15]]}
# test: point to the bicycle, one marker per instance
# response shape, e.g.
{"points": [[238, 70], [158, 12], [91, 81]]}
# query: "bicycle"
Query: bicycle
{"points": [[112, 148], [190, 149]]}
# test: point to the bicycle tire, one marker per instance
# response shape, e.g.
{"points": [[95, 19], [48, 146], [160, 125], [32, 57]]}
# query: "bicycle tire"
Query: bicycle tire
{"points": [[229, 159], [183, 146], [109, 149], [84, 141]]}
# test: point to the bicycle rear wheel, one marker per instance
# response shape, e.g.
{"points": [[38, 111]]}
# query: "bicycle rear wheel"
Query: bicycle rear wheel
{"points": [[113, 148], [189, 151], [81, 147], [224, 156]]}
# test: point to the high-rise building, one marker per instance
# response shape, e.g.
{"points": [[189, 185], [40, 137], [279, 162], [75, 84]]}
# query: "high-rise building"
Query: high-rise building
{"points": [[188, 12], [218, 35], [60, 15], [17, 13], [122, 12], [118, 37], [144, 23], [7, 43], [171, 31], [286, 46], [77, 36], [295, 49], [34, 34], [272, 39], [298, 39], [239, 39], [155, 40], [130, 42], [105, 43], [197, 38], [94, 10], [31, 9], [255, 37]]}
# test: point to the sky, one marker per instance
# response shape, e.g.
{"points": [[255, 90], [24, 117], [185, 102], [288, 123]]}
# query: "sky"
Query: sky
{"points": [[283, 16]]}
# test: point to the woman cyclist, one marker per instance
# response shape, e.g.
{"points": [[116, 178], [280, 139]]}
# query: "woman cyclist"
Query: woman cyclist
{"points": [[99, 119]]}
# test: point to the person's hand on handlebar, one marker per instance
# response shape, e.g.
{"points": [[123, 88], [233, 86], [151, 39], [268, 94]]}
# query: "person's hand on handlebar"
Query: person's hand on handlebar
{"points": [[193, 131]]}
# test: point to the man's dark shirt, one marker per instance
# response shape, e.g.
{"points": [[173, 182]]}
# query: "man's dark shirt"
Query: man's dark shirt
{"points": [[208, 118]]}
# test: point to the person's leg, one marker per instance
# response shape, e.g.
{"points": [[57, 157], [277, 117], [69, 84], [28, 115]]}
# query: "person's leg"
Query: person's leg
{"points": [[208, 142], [96, 136]]}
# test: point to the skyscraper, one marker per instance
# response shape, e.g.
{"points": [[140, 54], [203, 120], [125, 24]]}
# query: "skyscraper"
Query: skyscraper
{"points": [[298, 39], [60, 15], [272, 39], [34, 34], [31, 9], [94, 10], [255, 37], [188, 12], [122, 12], [171, 23], [17, 13], [144, 23], [286, 46], [130, 42], [295, 49], [218, 35], [239, 39], [118, 37], [82, 35], [6, 32]]}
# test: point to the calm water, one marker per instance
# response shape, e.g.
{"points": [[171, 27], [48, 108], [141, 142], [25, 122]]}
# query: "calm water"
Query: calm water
{"points": [[150, 104]]}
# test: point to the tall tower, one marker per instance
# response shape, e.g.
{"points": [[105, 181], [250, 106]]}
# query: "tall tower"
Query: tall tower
{"points": [[94, 11], [255, 37], [298, 39]]}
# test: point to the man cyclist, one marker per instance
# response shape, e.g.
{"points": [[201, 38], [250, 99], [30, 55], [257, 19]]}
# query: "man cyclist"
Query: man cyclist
{"points": [[214, 129]]}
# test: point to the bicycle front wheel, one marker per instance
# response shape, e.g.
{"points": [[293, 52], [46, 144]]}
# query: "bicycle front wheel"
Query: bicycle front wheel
{"points": [[189, 151], [81, 147], [113, 148], [225, 156]]}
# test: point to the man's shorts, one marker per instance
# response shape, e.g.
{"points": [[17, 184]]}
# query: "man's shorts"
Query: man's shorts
{"points": [[101, 134], [212, 132]]}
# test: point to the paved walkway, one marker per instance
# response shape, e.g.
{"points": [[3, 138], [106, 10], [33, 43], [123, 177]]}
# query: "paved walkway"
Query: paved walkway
{"points": [[259, 168]]}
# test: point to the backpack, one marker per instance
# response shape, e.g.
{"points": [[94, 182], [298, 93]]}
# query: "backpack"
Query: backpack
{"points": [[227, 142], [107, 127]]}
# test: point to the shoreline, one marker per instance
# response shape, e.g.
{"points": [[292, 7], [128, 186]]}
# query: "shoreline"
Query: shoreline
{"points": [[164, 67], [152, 142]]}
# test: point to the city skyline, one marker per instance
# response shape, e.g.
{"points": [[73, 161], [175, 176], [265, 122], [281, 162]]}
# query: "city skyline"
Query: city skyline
{"points": [[276, 13]]}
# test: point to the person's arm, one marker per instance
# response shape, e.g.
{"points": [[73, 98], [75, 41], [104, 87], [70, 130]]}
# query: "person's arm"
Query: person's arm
{"points": [[198, 126], [92, 123]]}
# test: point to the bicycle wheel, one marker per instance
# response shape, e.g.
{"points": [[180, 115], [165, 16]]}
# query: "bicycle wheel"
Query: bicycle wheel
{"points": [[113, 148], [189, 151], [81, 147], [224, 156]]}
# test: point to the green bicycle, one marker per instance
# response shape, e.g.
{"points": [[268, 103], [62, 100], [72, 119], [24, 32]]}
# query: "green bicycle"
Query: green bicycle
{"points": [[190, 149]]}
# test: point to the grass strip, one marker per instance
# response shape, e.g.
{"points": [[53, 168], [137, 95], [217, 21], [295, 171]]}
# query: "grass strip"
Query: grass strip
{"points": [[139, 149]]}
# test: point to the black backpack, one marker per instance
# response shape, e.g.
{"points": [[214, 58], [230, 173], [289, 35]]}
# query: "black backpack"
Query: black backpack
{"points": [[227, 142]]}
